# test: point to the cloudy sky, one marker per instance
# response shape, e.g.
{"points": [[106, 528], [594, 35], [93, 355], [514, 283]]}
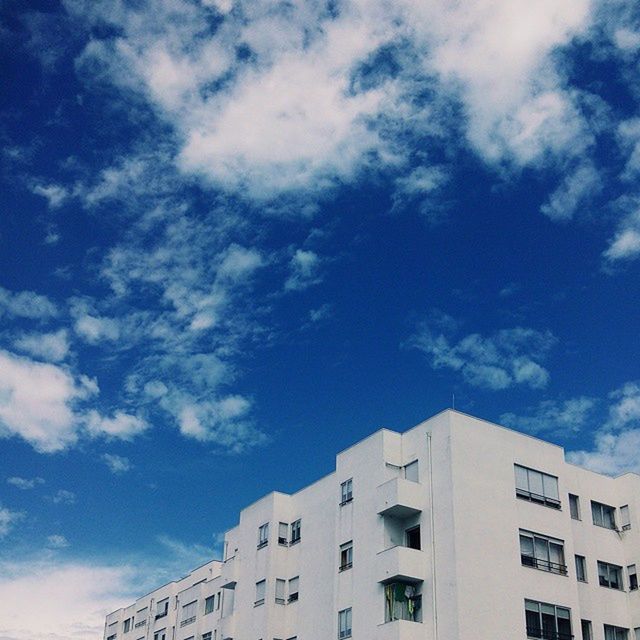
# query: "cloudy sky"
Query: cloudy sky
{"points": [[236, 236]]}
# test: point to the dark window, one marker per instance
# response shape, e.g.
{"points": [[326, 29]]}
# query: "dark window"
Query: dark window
{"points": [[610, 575], [633, 577], [615, 633], [574, 506], [413, 537], [296, 529], [541, 552], [581, 568], [346, 491], [547, 621], [346, 556], [603, 515], [587, 631]]}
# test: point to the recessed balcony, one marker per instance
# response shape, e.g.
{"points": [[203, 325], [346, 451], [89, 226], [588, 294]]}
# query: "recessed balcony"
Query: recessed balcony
{"points": [[229, 573], [401, 564], [401, 630], [399, 498]]}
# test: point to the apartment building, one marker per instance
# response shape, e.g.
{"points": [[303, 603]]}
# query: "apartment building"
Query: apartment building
{"points": [[457, 529]]}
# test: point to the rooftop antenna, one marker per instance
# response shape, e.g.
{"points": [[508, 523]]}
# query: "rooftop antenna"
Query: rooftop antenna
{"points": [[453, 401]]}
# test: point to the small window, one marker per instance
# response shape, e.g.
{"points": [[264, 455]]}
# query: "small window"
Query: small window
{"points": [[625, 518], [574, 506], [615, 633], [587, 629], [633, 577], [261, 588], [296, 530], [209, 604], [126, 625], [283, 533], [160, 635], [610, 575], [411, 471], [542, 552], [263, 535], [141, 617], [207, 635], [293, 589], [603, 515], [112, 637], [280, 586], [163, 608], [536, 486], [581, 568], [344, 623], [346, 491], [346, 556], [412, 537], [188, 613]]}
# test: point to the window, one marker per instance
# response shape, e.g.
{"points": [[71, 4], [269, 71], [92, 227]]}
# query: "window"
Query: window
{"points": [[207, 635], [587, 630], [344, 623], [296, 529], [163, 608], [581, 569], [633, 577], [547, 621], [402, 602], [541, 552], [126, 625], [113, 637], [141, 617], [346, 491], [263, 535], [283, 533], [615, 633], [261, 588], [536, 486], [280, 585], [209, 604], [574, 506], [625, 518], [603, 515], [636, 632], [610, 575], [160, 635], [189, 613], [293, 589], [412, 537], [411, 471], [346, 555]]}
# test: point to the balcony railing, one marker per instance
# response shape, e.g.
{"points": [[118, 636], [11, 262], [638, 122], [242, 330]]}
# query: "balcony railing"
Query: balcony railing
{"points": [[187, 621], [544, 565], [162, 614], [540, 499], [548, 634]]}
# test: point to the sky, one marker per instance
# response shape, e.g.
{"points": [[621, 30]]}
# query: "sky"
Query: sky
{"points": [[238, 236]]}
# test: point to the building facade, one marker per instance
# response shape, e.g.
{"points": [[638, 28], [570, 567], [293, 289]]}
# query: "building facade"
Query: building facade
{"points": [[457, 529]]}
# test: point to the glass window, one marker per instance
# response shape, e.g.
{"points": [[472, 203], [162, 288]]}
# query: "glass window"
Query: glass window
{"points": [[610, 575], [261, 588], [633, 577], [536, 486], [346, 491], [296, 529], [160, 635], [126, 626], [547, 621], [263, 535], [402, 602], [346, 556], [615, 633], [587, 630], [603, 515], [209, 604], [625, 517], [344, 623], [162, 608], [411, 471], [283, 532], [542, 552], [188, 613], [293, 589], [574, 506], [280, 586], [412, 538], [207, 635], [581, 568]]}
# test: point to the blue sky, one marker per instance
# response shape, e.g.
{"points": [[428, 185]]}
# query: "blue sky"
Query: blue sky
{"points": [[238, 236]]}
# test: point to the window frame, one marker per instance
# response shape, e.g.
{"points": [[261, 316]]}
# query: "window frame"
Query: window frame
{"points": [[574, 507], [346, 492], [261, 586], [293, 596], [346, 616], [599, 508], [346, 556], [263, 535], [581, 574], [624, 635], [539, 630], [606, 581], [543, 498], [536, 561], [296, 531]]}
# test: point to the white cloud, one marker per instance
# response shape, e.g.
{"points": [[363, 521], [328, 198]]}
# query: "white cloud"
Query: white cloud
{"points": [[54, 194], [37, 402], [304, 270], [57, 541], [562, 418], [8, 519], [239, 262], [26, 304], [117, 464], [95, 329], [48, 346], [121, 426], [504, 359], [613, 453], [25, 483], [72, 598], [575, 190], [63, 496], [625, 245]]}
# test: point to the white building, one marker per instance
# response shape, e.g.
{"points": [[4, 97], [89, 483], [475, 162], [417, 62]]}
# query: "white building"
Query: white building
{"points": [[457, 529]]}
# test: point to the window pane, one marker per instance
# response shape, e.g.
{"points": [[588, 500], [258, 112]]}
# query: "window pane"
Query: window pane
{"points": [[556, 553], [526, 546], [411, 471], [596, 513], [535, 482], [542, 549], [574, 507], [551, 487], [521, 478]]}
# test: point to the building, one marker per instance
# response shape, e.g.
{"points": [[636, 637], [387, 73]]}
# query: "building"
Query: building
{"points": [[457, 529]]}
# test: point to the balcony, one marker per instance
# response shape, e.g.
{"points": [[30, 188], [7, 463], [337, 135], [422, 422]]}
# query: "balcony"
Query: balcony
{"points": [[400, 630], [399, 498], [401, 564], [229, 573]]}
